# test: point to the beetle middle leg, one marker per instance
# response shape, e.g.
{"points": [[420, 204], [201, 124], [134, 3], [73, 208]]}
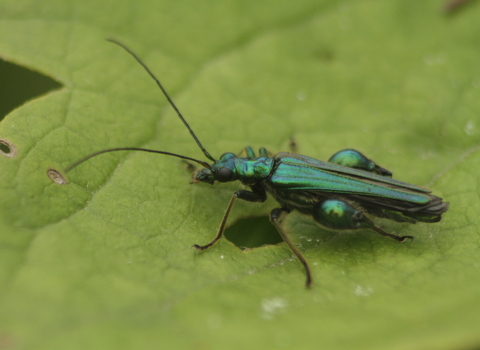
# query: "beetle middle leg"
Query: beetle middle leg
{"points": [[275, 218], [340, 215]]}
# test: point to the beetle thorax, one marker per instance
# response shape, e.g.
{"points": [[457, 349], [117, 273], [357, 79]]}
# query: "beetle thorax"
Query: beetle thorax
{"points": [[251, 171]]}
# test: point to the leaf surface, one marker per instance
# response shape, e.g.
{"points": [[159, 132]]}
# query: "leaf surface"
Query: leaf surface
{"points": [[105, 260]]}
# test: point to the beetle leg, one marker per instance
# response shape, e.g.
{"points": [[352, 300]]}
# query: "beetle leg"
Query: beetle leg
{"points": [[354, 159], [395, 237], [275, 216], [340, 215], [257, 194], [263, 152], [247, 152]]}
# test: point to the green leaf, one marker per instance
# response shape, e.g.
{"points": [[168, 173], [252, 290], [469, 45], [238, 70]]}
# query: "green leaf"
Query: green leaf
{"points": [[105, 260]]}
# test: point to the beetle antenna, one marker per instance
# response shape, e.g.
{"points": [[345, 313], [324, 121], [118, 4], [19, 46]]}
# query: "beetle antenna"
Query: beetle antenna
{"points": [[166, 95], [204, 164]]}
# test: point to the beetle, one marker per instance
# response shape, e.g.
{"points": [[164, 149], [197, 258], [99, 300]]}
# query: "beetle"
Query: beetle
{"points": [[339, 194]]}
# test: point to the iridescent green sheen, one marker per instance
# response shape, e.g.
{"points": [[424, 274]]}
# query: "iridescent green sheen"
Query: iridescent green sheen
{"points": [[246, 170], [338, 215], [354, 159], [337, 194], [300, 183], [294, 173]]}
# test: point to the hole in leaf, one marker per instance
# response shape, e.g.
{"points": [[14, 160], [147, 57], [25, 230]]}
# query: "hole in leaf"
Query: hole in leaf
{"points": [[252, 233], [19, 85], [56, 177], [7, 149]]}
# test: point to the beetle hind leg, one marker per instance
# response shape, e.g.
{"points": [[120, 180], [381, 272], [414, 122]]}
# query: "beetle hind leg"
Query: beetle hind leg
{"points": [[340, 215], [392, 236], [354, 159]]}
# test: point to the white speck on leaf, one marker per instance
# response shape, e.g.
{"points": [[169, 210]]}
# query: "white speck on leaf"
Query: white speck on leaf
{"points": [[362, 291], [301, 96], [273, 306], [469, 128], [432, 60]]}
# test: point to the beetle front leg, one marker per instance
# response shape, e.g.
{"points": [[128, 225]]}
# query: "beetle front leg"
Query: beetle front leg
{"points": [[257, 195], [354, 159], [247, 152], [340, 215], [275, 216]]}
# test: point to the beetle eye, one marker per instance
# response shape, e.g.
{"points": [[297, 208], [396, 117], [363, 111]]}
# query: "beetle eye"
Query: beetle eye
{"points": [[224, 175]]}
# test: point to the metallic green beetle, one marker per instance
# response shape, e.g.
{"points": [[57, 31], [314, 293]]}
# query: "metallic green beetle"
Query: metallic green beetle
{"points": [[337, 194]]}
